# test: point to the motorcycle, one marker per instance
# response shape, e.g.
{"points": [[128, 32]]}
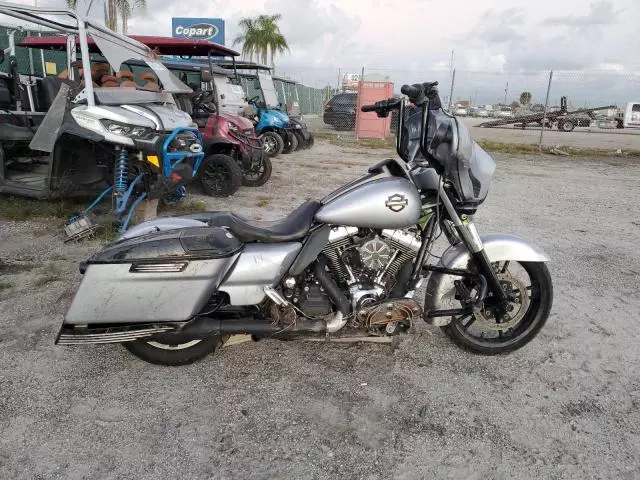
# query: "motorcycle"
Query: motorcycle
{"points": [[172, 290]]}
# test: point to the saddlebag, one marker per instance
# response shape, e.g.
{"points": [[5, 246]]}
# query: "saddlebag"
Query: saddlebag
{"points": [[165, 276]]}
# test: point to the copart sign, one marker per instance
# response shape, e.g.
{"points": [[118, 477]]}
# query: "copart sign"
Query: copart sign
{"points": [[211, 29]]}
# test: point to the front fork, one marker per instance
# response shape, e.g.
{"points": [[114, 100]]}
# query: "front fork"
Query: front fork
{"points": [[469, 235]]}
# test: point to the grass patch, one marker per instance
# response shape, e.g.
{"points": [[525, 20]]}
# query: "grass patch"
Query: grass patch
{"points": [[49, 273], [531, 148], [6, 285], [487, 144], [263, 202], [18, 208], [352, 141], [191, 206]]}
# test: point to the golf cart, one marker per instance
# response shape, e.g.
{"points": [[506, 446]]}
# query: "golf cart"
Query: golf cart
{"points": [[230, 140], [233, 152], [83, 131], [287, 91], [272, 124]]}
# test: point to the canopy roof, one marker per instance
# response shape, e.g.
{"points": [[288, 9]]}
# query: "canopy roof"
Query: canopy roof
{"points": [[164, 45]]}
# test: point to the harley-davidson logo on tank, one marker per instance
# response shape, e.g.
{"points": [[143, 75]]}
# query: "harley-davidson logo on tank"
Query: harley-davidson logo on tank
{"points": [[211, 29], [396, 202]]}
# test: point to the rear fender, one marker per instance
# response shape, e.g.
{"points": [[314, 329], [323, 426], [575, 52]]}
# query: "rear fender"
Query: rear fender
{"points": [[440, 289]]}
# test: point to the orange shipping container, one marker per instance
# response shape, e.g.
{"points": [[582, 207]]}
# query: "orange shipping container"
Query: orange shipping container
{"points": [[369, 125]]}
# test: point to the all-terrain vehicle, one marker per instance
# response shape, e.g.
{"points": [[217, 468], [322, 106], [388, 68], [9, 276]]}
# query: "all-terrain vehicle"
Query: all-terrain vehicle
{"points": [[233, 152], [85, 130]]}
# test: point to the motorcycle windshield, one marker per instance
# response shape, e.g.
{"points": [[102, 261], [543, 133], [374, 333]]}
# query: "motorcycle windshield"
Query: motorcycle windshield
{"points": [[465, 163]]}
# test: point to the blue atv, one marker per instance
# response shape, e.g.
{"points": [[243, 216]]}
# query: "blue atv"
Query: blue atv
{"points": [[275, 129]]}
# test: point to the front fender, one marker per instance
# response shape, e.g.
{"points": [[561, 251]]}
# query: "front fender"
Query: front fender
{"points": [[440, 290]]}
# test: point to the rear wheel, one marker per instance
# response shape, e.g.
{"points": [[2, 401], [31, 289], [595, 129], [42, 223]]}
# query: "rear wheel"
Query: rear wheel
{"points": [[291, 144], [490, 332], [165, 350], [220, 175], [259, 174], [273, 143]]}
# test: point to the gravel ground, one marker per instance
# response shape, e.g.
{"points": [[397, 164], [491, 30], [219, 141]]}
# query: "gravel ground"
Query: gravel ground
{"points": [[565, 406]]}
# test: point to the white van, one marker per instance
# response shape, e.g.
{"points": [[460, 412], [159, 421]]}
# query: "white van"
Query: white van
{"points": [[632, 115]]}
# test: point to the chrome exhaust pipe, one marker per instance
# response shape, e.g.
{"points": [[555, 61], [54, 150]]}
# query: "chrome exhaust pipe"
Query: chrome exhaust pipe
{"points": [[70, 335]]}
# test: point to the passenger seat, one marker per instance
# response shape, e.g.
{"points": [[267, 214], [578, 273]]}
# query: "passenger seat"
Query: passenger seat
{"points": [[126, 79], [151, 80]]}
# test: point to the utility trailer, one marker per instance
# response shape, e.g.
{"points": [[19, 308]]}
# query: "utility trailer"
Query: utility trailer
{"points": [[564, 119]]}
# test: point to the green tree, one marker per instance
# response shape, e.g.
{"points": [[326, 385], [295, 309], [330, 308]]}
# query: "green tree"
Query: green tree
{"points": [[525, 98], [261, 37]]}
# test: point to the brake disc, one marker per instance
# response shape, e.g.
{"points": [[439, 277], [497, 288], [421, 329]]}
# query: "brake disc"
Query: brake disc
{"points": [[516, 309]]}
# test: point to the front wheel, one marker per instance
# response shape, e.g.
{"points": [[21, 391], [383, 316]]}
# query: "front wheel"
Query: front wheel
{"points": [[273, 143], [490, 331], [258, 174], [220, 175], [166, 350]]}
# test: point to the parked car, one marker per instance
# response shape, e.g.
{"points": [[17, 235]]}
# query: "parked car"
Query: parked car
{"points": [[460, 112], [482, 113], [504, 112], [340, 112]]}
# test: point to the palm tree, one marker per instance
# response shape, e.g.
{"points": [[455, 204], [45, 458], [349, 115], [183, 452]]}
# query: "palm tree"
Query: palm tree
{"points": [[525, 98], [126, 8], [113, 8], [261, 37]]}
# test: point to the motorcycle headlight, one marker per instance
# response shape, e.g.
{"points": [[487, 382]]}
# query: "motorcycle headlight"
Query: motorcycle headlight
{"points": [[297, 125], [233, 128], [125, 130]]}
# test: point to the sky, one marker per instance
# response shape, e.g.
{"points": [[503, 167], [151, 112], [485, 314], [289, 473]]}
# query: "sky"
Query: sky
{"points": [[591, 45]]}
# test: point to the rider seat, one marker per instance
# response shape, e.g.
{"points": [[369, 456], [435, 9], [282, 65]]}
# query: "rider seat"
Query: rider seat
{"points": [[293, 227]]}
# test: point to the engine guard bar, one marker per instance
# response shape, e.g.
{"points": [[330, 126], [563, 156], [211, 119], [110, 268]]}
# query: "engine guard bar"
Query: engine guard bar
{"points": [[478, 303]]}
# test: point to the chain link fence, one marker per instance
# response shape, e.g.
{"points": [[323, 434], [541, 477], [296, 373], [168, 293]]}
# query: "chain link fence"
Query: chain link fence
{"points": [[579, 109], [31, 61]]}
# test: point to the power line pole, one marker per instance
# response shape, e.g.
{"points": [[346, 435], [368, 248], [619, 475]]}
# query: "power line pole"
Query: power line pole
{"points": [[506, 91]]}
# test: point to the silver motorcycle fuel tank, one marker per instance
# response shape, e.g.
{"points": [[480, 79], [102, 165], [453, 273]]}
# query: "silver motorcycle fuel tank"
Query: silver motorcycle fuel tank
{"points": [[388, 202]]}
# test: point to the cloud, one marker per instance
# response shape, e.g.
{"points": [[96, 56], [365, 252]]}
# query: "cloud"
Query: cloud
{"points": [[499, 26], [600, 13]]}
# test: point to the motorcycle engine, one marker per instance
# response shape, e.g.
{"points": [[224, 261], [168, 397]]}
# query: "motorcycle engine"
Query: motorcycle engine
{"points": [[367, 262]]}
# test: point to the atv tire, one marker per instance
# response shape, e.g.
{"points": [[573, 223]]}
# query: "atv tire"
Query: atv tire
{"points": [[220, 175]]}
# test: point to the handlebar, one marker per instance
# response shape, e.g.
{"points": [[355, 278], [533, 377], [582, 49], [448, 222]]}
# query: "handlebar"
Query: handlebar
{"points": [[418, 94], [383, 107]]}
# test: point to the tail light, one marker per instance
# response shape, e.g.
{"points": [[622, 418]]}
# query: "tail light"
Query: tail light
{"points": [[328, 105]]}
